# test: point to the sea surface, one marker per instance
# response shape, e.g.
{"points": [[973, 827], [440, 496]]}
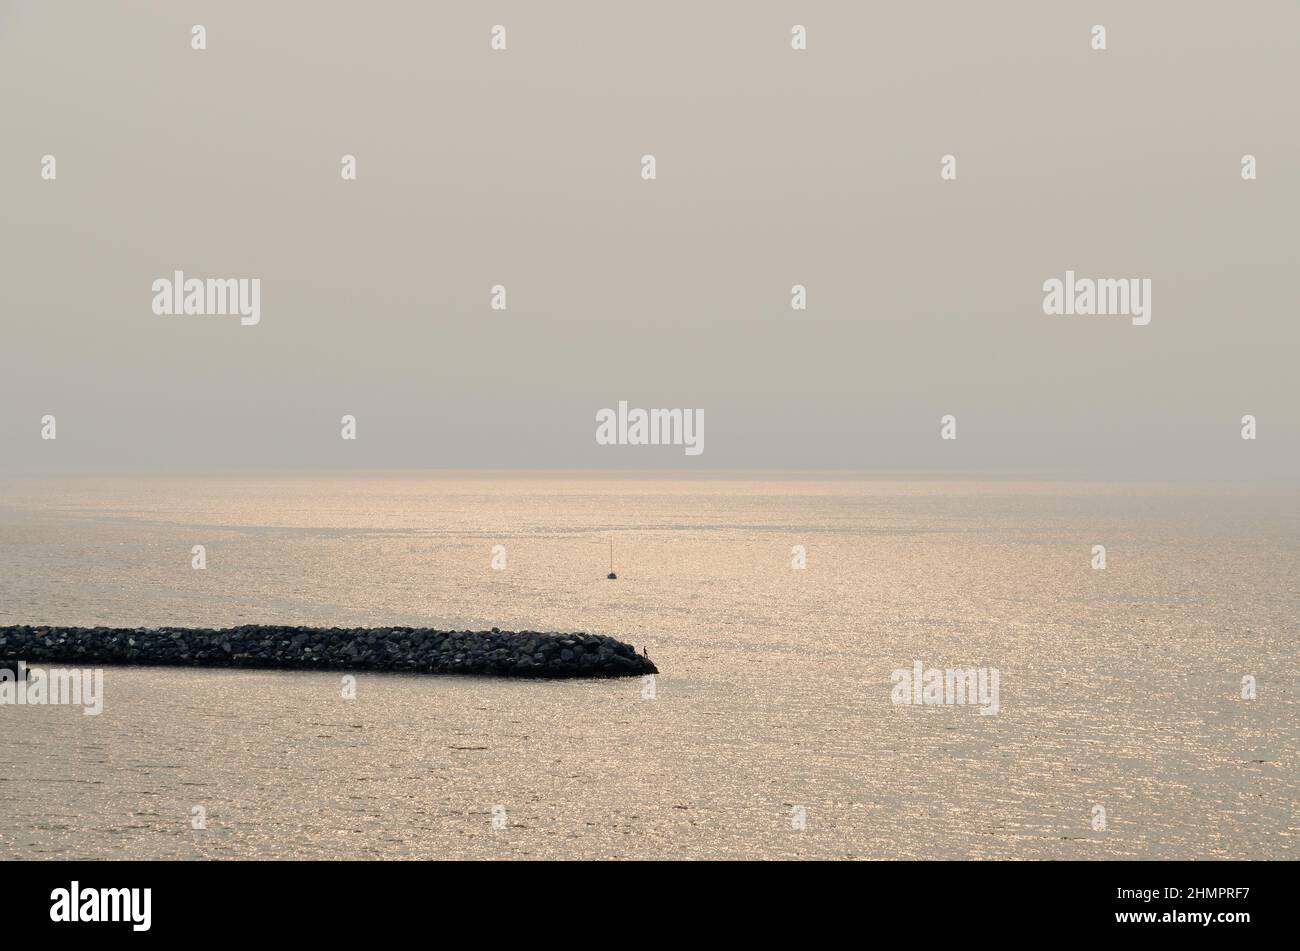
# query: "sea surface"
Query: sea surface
{"points": [[1119, 688]]}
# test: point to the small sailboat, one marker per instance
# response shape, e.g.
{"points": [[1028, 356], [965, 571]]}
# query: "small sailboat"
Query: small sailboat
{"points": [[611, 576]]}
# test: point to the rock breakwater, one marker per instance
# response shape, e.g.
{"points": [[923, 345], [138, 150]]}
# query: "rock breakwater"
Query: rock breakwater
{"points": [[411, 649]]}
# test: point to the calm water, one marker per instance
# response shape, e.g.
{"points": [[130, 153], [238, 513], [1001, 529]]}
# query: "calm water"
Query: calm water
{"points": [[1119, 688]]}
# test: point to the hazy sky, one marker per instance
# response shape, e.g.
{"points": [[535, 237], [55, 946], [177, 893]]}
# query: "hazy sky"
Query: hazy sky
{"points": [[775, 167]]}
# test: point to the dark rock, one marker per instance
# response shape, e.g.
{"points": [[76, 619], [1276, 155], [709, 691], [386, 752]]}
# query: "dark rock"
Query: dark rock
{"points": [[527, 654]]}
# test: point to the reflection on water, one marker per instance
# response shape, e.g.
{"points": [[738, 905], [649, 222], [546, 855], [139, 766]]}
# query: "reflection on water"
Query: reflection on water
{"points": [[1118, 688]]}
